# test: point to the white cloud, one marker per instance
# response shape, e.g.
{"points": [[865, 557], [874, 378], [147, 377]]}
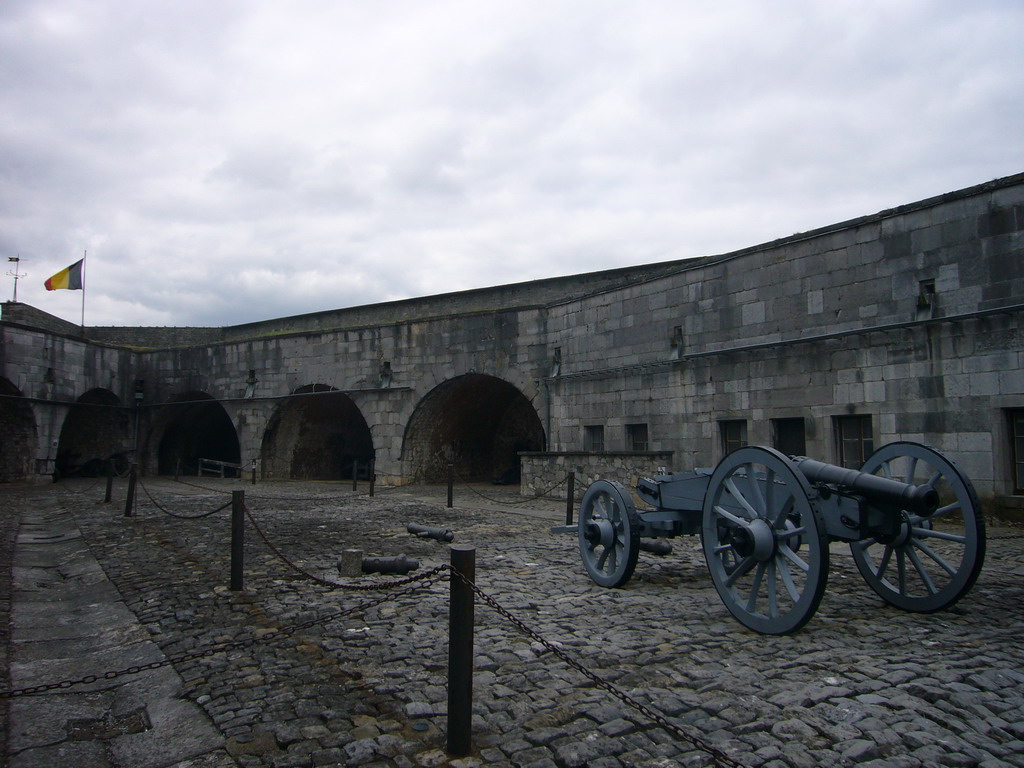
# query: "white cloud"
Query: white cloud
{"points": [[233, 161]]}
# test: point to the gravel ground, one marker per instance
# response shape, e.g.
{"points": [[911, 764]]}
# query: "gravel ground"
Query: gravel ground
{"points": [[363, 682]]}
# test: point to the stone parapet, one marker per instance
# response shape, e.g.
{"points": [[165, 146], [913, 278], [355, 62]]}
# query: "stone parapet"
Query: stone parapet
{"points": [[544, 472]]}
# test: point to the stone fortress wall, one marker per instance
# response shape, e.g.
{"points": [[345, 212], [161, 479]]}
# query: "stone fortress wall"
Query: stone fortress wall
{"points": [[904, 324]]}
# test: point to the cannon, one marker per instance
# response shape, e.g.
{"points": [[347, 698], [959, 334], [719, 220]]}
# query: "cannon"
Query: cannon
{"points": [[428, 532], [767, 520]]}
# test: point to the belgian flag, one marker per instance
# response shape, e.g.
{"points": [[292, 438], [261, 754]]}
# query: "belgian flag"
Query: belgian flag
{"points": [[70, 278]]}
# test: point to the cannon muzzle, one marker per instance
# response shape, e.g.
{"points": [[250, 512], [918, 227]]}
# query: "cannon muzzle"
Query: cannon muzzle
{"points": [[880, 491]]}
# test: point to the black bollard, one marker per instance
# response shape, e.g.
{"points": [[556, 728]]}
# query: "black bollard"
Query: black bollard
{"points": [[570, 498], [110, 481], [460, 650], [451, 483], [237, 541], [355, 474], [373, 476], [129, 502]]}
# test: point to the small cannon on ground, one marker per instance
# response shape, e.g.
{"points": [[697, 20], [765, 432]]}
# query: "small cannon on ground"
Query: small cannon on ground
{"points": [[428, 532], [766, 521]]}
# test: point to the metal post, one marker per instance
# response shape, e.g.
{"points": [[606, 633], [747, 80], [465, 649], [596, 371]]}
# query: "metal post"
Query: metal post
{"points": [[355, 474], [460, 650], [451, 483], [129, 503], [110, 481], [237, 540], [570, 498], [373, 475], [254, 471]]}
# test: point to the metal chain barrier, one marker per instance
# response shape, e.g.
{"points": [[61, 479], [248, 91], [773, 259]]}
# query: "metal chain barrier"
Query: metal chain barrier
{"points": [[174, 514], [654, 716], [349, 495], [337, 584], [524, 500], [213, 650]]}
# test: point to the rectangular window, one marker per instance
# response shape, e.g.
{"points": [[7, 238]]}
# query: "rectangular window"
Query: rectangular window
{"points": [[854, 440], [636, 437], [593, 438], [734, 434], [789, 436], [1017, 448]]}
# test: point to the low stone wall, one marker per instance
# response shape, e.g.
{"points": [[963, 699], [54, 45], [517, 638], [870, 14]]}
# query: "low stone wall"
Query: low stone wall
{"points": [[544, 473]]}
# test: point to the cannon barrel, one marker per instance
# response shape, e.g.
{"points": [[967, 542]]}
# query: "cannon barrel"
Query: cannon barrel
{"points": [[398, 564], [427, 532], [922, 499]]}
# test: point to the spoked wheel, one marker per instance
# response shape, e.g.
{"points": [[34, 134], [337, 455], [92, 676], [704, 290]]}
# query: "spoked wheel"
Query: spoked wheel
{"points": [[764, 541], [930, 563], [608, 533]]}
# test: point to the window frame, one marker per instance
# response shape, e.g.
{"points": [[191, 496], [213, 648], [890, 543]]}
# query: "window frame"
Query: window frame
{"points": [[850, 431], [633, 431], [730, 442], [593, 438]]}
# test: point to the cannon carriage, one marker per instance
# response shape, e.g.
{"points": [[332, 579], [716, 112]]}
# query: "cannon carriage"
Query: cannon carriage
{"points": [[767, 520]]}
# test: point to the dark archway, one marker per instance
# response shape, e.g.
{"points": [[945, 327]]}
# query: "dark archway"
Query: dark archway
{"points": [[318, 433], [17, 434], [195, 427], [477, 422], [97, 428]]}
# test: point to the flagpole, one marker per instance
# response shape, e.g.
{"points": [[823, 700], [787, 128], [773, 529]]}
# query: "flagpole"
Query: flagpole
{"points": [[84, 254]]}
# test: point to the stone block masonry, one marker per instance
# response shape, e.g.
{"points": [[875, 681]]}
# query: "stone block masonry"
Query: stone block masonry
{"points": [[904, 324]]}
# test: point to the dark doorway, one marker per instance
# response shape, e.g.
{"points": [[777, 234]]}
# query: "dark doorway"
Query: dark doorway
{"points": [[17, 434], [319, 433], [197, 427], [476, 422], [96, 429]]}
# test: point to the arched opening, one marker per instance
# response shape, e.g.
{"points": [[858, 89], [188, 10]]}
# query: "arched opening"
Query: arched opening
{"points": [[318, 433], [97, 428], [195, 427], [17, 434], [476, 422]]}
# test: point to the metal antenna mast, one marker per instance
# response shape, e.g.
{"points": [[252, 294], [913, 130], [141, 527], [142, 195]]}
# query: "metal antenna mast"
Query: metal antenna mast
{"points": [[15, 274]]}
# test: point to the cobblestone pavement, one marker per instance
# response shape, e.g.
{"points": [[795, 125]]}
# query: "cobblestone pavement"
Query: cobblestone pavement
{"points": [[862, 683]]}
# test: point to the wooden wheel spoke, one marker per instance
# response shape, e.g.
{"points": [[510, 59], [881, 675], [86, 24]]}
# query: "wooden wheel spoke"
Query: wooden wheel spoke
{"points": [[755, 587], [950, 570], [757, 497], [787, 580], [931, 533], [794, 558], [921, 571], [730, 485], [741, 570], [772, 584], [741, 522]]}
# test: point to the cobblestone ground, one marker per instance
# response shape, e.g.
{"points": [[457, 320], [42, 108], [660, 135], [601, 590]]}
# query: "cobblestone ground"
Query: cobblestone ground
{"points": [[862, 683]]}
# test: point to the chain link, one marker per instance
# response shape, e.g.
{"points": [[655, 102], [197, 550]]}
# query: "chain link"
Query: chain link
{"points": [[337, 584], [175, 515], [656, 717], [524, 500]]}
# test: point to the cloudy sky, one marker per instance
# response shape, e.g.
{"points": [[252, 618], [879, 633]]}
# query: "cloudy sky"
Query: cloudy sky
{"points": [[224, 161]]}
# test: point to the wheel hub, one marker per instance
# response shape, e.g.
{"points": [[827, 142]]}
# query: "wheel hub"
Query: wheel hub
{"points": [[599, 532], [757, 541]]}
